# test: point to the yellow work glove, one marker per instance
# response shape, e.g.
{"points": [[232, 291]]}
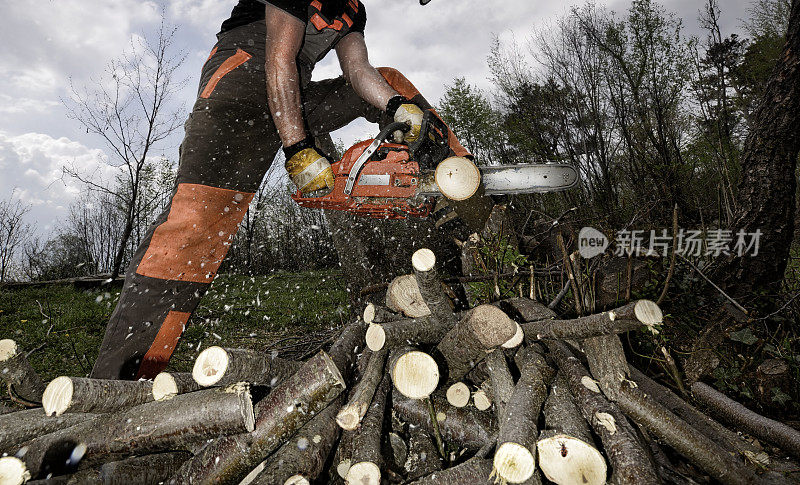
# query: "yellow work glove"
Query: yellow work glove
{"points": [[308, 169], [406, 112]]}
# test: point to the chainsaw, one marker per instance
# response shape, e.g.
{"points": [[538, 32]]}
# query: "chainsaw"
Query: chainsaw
{"points": [[384, 180]]}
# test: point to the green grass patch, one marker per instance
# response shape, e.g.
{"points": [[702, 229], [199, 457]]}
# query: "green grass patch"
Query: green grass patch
{"points": [[287, 312]]}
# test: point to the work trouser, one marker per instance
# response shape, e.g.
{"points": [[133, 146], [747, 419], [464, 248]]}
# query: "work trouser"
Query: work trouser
{"points": [[229, 145]]}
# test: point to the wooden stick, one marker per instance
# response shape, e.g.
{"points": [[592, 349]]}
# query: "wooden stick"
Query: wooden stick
{"points": [[633, 316], [417, 331], [378, 314], [278, 416], [566, 450], [21, 426], [167, 385], [347, 347], [515, 459], [216, 366], [502, 382], [85, 395], [735, 414], [18, 374], [629, 460], [152, 427], [484, 328], [366, 458], [305, 455], [465, 427], [351, 414], [430, 286], [415, 374], [526, 310]]}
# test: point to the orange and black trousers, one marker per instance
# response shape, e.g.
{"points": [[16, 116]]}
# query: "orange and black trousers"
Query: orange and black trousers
{"points": [[228, 147]]}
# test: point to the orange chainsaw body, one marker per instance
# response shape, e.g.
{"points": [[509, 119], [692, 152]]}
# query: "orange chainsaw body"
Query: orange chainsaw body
{"points": [[386, 187]]}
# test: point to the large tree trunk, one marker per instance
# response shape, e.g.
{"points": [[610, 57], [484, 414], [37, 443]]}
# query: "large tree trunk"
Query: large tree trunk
{"points": [[766, 193]]}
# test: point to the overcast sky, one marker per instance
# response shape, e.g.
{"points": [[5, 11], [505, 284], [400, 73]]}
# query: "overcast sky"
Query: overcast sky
{"points": [[48, 43]]}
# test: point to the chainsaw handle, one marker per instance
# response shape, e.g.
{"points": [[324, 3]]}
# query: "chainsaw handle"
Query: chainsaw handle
{"points": [[362, 159]]}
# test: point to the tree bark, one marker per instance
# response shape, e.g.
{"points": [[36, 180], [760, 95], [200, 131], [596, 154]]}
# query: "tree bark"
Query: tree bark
{"points": [[430, 286], [153, 427], [526, 310], [142, 470], [20, 426], [633, 316], [18, 374], [351, 414], [366, 460], [423, 457], [765, 198], [502, 382], [85, 395], [474, 471], [465, 427], [417, 331], [278, 416], [730, 411]]}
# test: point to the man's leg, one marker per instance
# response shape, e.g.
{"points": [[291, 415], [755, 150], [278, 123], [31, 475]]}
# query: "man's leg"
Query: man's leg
{"points": [[229, 144]]}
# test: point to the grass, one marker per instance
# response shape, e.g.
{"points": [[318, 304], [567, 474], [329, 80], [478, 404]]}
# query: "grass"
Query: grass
{"points": [[288, 312]]}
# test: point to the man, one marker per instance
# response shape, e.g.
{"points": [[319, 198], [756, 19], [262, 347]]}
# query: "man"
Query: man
{"points": [[255, 96]]}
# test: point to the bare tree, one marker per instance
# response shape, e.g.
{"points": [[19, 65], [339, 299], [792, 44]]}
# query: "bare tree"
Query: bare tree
{"points": [[13, 232], [130, 109]]}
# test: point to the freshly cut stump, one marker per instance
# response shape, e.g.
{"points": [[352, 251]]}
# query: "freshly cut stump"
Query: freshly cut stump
{"points": [[458, 394], [415, 374], [457, 178], [403, 296], [167, 385], [216, 366], [18, 373], [13, 471], [85, 395]]}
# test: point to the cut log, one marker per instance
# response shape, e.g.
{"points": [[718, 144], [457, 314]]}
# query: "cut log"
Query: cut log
{"points": [[347, 347], [417, 331], [13, 471], [423, 457], [484, 328], [457, 178], [343, 457], [18, 374], [414, 373], [304, 456], [403, 296], [718, 433], [142, 470], [515, 459], [465, 427], [85, 395], [482, 400], [366, 460], [278, 416], [526, 310], [735, 414], [458, 394], [633, 316], [216, 366], [351, 414], [167, 385], [474, 471], [630, 462], [21, 426], [378, 314], [143, 429], [501, 380], [565, 448], [430, 286], [607, 362]]}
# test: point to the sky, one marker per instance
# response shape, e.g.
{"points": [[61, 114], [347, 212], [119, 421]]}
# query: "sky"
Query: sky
{"points": [[50, 44]]}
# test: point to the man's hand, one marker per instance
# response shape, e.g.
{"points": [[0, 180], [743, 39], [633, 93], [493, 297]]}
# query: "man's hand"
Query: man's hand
{"points": [[308, 169], [411, 114]]}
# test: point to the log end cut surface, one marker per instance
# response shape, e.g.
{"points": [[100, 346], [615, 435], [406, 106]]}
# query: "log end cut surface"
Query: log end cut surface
{"points": [[415, 374], [423, 259], [457, 178], [13, 471], [514, 463], [297, 480], [164, 387], [648, 313], [57, 396], [210, 366], [516, 340], [375, 337], [364, 473], [8, 349], [458, 394], [564, 459]]}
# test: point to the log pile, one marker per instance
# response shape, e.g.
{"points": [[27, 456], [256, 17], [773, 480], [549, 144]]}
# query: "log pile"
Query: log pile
{"points": [[418, 391]]}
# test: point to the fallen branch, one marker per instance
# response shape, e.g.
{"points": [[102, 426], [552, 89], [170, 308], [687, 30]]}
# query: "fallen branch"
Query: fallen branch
{"points": [[85, 395], [18, 374]]}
